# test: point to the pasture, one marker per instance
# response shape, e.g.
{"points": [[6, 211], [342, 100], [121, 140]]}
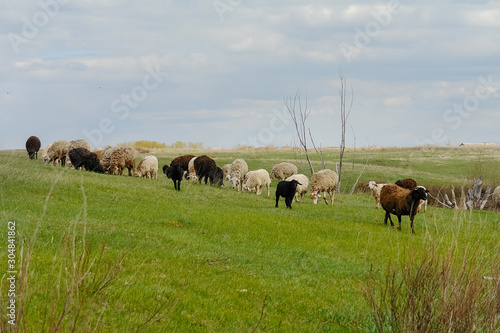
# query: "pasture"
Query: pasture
{"points": [[108, 253]]}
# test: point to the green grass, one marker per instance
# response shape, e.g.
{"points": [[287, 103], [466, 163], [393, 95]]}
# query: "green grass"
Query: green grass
{"points": [[212, 259]]}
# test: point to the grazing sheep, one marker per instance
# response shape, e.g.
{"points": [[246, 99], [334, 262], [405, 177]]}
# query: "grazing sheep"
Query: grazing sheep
{"points": [[205, 167], [82, 157], [123, 157], [283, 170], [77, 144], [33, 146], [117, 158], [219, 177], [407, 183], [376, 188], [239, 169], [45, 156], [303, 186], [191, 170], [106, 158], [401, 201], [226, 168], [174, 172], [81, 143], [287, 190], [496, 197], [99, 151], [183, 161], [148, 167], [58, 152], [255, 180], [324, 181]]}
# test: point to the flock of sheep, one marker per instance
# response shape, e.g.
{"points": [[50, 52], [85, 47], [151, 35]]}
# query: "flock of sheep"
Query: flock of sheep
{"points": [[404, 197]]}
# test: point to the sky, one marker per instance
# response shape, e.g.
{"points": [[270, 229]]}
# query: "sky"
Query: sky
{"points": [[219, 71]]}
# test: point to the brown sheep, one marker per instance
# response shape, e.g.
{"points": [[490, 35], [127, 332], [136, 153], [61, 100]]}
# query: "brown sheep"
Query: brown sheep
{"points": [[407, 183], [205, 167], [182, 161], [401, 201], [121, 158], [33, 145]]}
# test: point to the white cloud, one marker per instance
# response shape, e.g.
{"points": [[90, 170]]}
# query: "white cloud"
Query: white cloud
{"points": [[228, 75]]}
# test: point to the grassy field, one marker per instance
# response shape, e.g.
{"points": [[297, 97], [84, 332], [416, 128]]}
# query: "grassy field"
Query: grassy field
{"points": [[115, 253]]}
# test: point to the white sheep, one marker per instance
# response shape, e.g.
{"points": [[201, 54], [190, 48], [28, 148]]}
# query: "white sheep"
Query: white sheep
{"points": [[58, 151], [191, 171], [255, 180], [301, 189], [283, 170], [376, 188], [324, 181], [45, 156], [226, 168], [239, 169], [496, 197], [81, 143], [148, 167]]}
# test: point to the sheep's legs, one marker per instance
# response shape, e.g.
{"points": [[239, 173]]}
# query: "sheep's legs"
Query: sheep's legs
{"points": [[411, 223], [399, 220], [388, 216]]}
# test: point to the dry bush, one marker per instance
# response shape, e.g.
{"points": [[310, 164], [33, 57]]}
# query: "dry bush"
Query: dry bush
{"points": [[436, 293]]}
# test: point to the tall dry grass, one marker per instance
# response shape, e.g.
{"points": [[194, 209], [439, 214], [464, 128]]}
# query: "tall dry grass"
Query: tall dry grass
{"points": [[436, 292]]}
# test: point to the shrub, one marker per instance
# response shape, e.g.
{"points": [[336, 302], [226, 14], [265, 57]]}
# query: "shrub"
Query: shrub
{"points": [[435, 294]]}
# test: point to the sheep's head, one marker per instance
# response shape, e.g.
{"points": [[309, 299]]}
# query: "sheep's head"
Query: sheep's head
{"points": [[294, 183], [372, 184], [315, 196], [419, 194], [235, 181], [98, 168], [245, 188]]}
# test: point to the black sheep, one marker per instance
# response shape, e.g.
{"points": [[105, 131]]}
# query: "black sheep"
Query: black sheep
{"points": [[184, 161], [286, 189], [81, 157], [174, 172], [205, 167], [33, 146], [219, 177]]}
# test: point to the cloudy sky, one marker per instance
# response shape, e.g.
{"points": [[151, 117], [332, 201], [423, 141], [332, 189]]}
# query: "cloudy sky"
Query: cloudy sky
{"points": [[218, 71]]}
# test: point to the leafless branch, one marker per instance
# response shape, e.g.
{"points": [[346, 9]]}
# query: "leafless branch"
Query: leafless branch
{"points": [[299, 115]]}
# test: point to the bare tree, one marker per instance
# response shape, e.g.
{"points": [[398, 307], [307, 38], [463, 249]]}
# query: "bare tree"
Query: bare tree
{"points": [[299, 115], [344, 115]]}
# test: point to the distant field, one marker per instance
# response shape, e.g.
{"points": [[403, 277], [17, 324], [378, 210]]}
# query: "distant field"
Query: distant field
{"points": [[116, 253]]}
